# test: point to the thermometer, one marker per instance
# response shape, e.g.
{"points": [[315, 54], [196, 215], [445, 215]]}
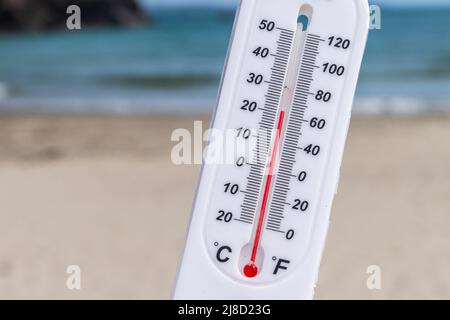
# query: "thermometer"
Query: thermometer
{"points": [[259, 223]]}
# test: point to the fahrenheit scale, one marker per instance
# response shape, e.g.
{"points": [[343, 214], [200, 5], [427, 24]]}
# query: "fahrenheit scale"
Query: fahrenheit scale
{"points": [[259, 224]]}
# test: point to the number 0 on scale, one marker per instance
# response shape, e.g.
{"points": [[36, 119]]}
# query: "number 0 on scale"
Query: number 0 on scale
{"points": [[259, 224]]}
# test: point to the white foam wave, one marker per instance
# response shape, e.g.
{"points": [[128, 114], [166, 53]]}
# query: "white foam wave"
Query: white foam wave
{"points": [[362, 106], [3, 91], [398, 105]]}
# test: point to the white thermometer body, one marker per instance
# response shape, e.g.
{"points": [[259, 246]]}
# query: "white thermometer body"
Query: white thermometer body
{"points": [[259, 223]]}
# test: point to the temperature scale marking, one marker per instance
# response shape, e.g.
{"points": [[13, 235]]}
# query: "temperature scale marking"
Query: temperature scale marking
{"points": [[292, 136], [267, 123]]}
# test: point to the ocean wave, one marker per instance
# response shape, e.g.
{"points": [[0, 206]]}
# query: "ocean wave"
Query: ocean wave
{"points": [[399, 105], [372, 106], [162, 81], [3, 91], [437, 69]]}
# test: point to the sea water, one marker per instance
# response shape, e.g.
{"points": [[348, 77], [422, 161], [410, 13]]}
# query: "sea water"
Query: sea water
{"points": [[173, 65]]}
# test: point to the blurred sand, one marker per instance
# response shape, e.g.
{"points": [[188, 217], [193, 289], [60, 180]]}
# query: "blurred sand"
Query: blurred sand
{"points": [[102, 193]]}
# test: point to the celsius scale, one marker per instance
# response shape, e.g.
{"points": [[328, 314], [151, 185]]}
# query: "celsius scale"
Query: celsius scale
{"points": [[258, 226]]}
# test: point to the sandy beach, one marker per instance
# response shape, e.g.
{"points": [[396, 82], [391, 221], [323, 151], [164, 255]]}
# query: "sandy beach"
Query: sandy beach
{"points": [[102, 193]]}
